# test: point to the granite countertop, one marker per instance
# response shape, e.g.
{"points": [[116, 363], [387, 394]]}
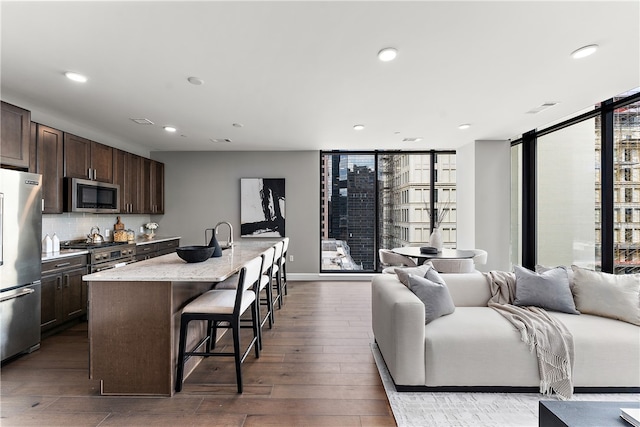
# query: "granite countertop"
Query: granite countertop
{"points": [[171, 268], [141, 240], [63, 254]]}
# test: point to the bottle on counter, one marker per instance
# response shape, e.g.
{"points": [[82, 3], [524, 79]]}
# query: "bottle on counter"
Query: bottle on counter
{"points": [[47, 244], [56, 243]]}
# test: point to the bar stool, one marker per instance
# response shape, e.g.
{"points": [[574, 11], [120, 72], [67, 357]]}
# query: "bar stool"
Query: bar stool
{"points": [[283, 264], [276, 273], [222, 308]]}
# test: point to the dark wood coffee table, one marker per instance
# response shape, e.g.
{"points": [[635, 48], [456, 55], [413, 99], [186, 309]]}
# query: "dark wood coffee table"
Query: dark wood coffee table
{"points": [[557, 413]]}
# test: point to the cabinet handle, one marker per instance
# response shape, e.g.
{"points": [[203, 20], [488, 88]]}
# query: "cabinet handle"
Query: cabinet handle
{"points": [[66, 280], [64, 264], [58, 283]]}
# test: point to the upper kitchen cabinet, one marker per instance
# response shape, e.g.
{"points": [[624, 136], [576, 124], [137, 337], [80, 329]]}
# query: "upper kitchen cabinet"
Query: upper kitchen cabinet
{"points": [[87, 159], [152, 186], [126, 173], [48, 143], [15, 136]]}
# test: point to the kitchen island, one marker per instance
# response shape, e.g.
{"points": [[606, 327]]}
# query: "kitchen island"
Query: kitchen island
{"points": [[134, 317]]}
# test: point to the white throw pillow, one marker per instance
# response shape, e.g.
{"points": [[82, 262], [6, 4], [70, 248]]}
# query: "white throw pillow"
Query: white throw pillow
{"points": [[435, 297], [616, 296]]}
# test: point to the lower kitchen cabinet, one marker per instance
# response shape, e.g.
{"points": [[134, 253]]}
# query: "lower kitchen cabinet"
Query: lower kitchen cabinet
{"points": [[64, 294]]}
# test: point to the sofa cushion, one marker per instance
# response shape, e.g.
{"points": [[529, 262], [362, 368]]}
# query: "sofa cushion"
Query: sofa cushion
{"points": [[616, 296], [425, 270], [549, 290], [434, 295]]}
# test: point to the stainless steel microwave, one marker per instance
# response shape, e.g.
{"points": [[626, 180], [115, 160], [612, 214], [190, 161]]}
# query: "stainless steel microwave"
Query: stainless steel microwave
{"points": [[83, 195]]}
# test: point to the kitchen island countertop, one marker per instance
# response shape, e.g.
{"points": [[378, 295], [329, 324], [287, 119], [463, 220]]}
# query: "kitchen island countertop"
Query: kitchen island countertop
{"points": [[171, 268]]}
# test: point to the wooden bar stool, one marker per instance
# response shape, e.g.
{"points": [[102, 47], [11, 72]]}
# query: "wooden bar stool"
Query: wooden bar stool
{"points": [[222, 308]]}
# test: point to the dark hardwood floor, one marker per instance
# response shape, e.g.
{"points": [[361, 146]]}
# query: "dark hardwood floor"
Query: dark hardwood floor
{"points": [[316, 369]]}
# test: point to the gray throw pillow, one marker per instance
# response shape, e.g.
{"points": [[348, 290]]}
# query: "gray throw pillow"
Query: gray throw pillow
{"points": [[435, 297], [616, 296], [404, 272], [549, 290]]}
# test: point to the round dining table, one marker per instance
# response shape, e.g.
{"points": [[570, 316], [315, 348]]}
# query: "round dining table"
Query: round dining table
{"points": [[414, 252]]}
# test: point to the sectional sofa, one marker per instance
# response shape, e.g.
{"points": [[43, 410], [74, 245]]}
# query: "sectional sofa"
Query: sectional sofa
{"points": [[476, 349]]}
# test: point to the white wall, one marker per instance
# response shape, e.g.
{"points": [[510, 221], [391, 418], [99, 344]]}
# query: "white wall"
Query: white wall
{"points": [[203, 188], [484, 200]]}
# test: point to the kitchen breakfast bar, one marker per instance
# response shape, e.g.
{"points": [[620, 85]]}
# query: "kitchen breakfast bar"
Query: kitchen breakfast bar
{"points": [[134, 317]]}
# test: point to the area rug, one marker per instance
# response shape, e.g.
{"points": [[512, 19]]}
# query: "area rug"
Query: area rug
{"points": [[421, 409]]}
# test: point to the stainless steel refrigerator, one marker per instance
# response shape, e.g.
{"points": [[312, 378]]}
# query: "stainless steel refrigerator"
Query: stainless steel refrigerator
{"points": [[20, 261]]}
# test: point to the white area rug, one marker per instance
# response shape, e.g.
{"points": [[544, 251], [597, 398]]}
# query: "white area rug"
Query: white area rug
{"points": [[424, 409]]}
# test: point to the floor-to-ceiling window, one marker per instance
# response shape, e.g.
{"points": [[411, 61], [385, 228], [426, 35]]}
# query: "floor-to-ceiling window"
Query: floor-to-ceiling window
{"points": [[584, 180], [379, 200]]}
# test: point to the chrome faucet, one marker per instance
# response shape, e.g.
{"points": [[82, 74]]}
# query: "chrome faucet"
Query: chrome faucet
{"points": [[230, 241]]}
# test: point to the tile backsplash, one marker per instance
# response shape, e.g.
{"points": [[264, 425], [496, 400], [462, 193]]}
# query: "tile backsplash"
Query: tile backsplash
{"points": [[74, 226]]}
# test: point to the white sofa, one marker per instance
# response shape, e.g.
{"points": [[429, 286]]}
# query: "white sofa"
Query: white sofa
{"points": [[475, 348]]}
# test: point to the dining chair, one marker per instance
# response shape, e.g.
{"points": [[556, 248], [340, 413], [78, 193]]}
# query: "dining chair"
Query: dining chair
{"points": [[480, 257], [390, 259], [222, 308]]}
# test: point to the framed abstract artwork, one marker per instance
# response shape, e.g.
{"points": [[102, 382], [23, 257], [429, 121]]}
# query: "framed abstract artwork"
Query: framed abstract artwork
{"points": [[262, 207]]}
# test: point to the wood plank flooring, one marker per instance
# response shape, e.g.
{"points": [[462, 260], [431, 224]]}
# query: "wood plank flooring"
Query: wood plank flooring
{"points": [[315, 369]]}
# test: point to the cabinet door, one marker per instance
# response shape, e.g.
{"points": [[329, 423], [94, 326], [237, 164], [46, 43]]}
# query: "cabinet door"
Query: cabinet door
{"points": [[157, 187], [77, 157], [146, 199], [74, 297], [126, 173], [51, 301], [15, 134], [49, 148], [102, 162]]}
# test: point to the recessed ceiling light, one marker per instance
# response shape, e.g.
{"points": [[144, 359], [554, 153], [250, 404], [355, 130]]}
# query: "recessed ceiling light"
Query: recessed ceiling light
{"points": [[358, 127], [464, 126], [170, 129], [584, 51], [195, 81], [76, 77], [412, 139], [237, 125], [542, 107], [387, 54]]}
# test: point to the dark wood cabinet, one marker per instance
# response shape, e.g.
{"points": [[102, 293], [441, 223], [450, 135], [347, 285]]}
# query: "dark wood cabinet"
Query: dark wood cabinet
{"points": [[87, 159], [15, 136], [49, 163], [126, 173], [64, 294], [152, 186], [152, 250]]}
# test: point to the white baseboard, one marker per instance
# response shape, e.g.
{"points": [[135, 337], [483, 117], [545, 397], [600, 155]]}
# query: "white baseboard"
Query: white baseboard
{"points": [[308, 277]]}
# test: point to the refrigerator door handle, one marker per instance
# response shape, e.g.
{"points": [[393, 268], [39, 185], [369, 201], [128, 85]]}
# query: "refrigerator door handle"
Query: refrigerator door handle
{"points": [[24, 292]]}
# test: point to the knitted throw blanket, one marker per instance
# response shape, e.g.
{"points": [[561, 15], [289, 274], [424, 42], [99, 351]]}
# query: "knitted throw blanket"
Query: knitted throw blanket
{"points": [[551, 340]]}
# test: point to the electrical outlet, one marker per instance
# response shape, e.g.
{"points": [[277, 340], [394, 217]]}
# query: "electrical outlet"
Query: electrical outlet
{"points": [[291, 258], [107, 232], [142, 229]]}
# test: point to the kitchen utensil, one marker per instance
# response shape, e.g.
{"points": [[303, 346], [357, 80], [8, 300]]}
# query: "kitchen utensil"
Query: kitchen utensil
{"points": [[95, 236]]}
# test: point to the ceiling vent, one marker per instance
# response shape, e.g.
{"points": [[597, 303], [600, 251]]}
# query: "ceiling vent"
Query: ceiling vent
{"points": [[542, 107], [412, 139], [218, 140], [143, 121]]}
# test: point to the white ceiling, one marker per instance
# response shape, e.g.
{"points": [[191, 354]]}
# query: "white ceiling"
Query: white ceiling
{"points": [[298, 75]]}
